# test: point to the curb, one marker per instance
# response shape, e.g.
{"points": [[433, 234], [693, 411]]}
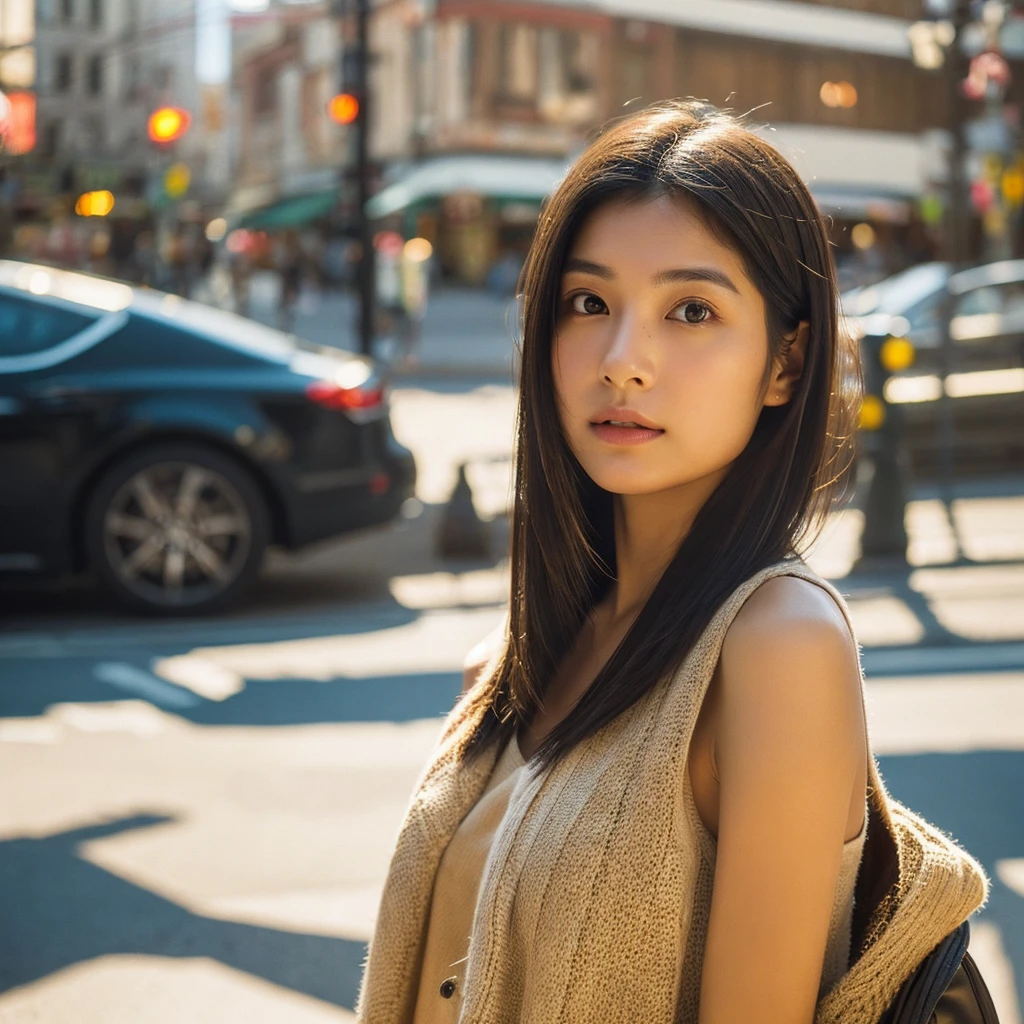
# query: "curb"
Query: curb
{"points": [[952, 659]]}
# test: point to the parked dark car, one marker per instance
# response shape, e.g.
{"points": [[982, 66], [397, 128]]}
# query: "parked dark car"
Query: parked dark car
{"points": [[983, 384], [164, 444]]}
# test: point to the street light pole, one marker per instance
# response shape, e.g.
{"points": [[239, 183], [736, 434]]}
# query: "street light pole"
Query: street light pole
{"points": [[956, 244], [365, 276], [935, 44]]}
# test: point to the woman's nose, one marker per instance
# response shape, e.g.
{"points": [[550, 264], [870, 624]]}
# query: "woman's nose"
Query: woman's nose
{"points": [[627, 358]]}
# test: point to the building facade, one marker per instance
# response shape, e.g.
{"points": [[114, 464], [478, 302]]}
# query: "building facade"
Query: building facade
{"points": [[478, 106], [522, 84]]}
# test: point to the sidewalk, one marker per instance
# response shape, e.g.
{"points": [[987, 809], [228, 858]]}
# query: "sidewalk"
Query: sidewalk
{"points": [[967, 616]]}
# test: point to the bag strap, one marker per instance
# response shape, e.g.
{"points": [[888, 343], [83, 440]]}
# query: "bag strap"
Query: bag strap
{"points": [[967, 1000], [947, 975]]}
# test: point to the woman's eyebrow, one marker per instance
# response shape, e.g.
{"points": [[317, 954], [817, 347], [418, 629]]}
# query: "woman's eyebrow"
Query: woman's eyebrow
{"points": [[709, 274]]}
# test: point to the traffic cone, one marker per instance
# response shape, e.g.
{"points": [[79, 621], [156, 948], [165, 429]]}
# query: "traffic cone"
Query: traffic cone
{"points": [[462, 533]]}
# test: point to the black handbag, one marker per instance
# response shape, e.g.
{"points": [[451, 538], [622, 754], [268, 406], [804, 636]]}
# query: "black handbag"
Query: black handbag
{"points": [[946, 988]]}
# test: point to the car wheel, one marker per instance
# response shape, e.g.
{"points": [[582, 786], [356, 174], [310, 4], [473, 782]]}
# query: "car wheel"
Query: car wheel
{"points": [[176, 528]]}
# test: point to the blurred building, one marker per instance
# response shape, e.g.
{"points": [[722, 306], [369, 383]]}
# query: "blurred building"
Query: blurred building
{"points": [[478, 107], [290, 155], [103, 67], [480, 104]]}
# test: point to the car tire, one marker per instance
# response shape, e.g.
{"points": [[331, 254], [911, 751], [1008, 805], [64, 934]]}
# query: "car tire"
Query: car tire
{"points": [[176, 529]]}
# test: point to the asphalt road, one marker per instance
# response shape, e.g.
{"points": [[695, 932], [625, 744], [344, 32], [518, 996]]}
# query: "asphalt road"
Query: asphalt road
{"points": [[197, 815]]}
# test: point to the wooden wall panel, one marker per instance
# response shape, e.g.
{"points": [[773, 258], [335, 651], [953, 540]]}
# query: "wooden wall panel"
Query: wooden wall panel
{"points": [[743, 74]]}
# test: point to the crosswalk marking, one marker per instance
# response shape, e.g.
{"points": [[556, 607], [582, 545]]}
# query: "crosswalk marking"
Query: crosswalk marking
{"points": [[143, 684]]}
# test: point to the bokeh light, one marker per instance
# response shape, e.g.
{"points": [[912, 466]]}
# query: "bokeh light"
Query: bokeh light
{"points": [[863, 235]]}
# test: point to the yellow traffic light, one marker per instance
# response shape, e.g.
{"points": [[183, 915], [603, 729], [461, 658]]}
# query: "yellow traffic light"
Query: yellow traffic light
{"points": [[1013, 187], [94, 204], [896, 354], [343, 108], [872, 413], [168, 124], [177, 180]]}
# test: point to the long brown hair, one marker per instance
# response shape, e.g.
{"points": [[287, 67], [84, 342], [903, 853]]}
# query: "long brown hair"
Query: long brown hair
{"points": [[775, 495]]}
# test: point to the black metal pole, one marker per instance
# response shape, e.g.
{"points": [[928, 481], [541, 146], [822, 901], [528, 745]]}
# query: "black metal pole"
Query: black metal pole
{"points": [[365, 277], [883, 542], [956, 244]]}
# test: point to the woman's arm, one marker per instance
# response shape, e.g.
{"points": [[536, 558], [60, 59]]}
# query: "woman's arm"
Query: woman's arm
{"points": [[789, 744]]}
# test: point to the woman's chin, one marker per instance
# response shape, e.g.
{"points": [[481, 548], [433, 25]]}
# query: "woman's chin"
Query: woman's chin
{"points": [[619, 482]]}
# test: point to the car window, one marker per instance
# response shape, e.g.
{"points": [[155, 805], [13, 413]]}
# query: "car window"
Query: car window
{"points": [[926, 313], [989, 312], [28, 327], [911, 288], [987, 299]]}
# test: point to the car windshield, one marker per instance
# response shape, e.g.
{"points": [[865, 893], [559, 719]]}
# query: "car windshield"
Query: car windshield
{"points": [[899, 294]]}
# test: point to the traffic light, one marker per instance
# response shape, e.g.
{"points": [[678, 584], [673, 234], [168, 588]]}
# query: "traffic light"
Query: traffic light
{"points": [[177, 179], [168, 124], [343, 108], [94, 204]]}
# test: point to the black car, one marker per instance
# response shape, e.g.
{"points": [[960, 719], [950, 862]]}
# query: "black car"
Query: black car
{"points": [[164, 444], [981, 389]]}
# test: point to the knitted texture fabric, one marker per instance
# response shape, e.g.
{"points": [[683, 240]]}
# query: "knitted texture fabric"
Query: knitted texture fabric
{"points": [[596, 896]]}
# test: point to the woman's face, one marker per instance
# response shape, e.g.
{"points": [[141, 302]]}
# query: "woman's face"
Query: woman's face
{"points": [[660, 349]]}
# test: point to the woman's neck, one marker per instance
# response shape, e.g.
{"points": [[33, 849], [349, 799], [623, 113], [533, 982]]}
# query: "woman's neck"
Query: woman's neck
{"points": [[648, 531]]}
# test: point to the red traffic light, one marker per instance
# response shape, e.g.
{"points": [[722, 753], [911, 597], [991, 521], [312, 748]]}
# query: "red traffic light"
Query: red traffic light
{"points": [[343, 108], [168, 124]]}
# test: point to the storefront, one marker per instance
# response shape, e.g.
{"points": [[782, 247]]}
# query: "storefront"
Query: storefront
{"points": [[478, 212]]}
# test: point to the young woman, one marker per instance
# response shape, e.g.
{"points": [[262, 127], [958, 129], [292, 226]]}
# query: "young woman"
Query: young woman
{"points": [[657, 801]]}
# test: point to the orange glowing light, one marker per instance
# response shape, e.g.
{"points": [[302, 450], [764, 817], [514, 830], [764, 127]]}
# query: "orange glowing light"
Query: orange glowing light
{"points": [[94, 204], [343, 108], [168, 124]]}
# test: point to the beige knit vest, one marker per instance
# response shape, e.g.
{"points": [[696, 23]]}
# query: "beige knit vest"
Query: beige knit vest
{"points": [[596, 895]]}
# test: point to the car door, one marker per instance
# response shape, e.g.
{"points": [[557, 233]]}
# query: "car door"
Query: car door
{"points": [[38, 337], [986, 380]]}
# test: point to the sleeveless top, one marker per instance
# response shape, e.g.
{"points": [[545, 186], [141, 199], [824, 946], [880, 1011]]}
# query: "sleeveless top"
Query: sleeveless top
{"points": [[596, 891], [450, 923]]}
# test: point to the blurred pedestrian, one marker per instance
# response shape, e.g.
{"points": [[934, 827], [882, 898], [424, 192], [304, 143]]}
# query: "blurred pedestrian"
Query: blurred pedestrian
{"points": [[656, 800], [171, 264], [98, 258], [144, 259], [504, 274], [240, 270], [289, 261], [62, 245]]}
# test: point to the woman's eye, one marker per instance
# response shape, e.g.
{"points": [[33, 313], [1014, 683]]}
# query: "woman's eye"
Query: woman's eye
{"points": [[695, 312], [586, 304]]}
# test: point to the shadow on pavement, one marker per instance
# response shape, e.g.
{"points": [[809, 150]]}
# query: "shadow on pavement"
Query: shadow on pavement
{"points": [[61, 910], [33, 687], [402, 698], [978, 799], [897, 584]]}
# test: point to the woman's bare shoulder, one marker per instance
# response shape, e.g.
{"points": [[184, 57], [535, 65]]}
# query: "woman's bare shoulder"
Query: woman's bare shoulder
{"points": [[789, 638], [787, 610], [481, 654]]}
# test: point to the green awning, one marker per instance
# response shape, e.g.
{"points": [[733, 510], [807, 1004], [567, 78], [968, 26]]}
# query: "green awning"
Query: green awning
{"points": [[528, 179], [293, 212]]}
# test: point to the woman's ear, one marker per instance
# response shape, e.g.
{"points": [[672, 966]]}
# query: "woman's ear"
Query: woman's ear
{"points": [[788, 367]]}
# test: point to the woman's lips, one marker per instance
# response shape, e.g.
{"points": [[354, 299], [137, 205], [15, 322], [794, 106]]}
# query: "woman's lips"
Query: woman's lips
{"points": [[612, 433]]}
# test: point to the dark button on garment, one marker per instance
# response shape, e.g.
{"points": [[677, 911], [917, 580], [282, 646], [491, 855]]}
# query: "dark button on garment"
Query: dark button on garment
{"points": [[447, 988]]}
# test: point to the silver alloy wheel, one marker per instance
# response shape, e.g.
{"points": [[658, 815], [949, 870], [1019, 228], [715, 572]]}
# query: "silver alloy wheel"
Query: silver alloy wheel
{"points": [[177, 533]]}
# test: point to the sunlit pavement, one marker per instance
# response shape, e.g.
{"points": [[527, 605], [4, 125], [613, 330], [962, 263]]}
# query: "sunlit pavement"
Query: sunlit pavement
{"points": [[197, 815]]}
